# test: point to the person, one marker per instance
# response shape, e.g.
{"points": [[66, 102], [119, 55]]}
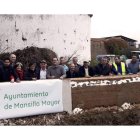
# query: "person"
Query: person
{"points": [[56, 71], [134, 65], [19, 70], [103, 68], [8, 73], [86, 70], [1, 74], [75, 62], [63, 63], [118, 67], [31, 72], [12, 59], [71, 73], [1, 63], [42, 71]]}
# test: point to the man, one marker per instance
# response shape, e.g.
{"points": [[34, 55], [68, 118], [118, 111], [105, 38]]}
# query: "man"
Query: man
{"points": [[42, 71], [75, 62], [103, 68], [72, 73], [7, 72], [56, 71], [12, 59], [86, 70], [63, 63], [134, 65], [119, 68]]}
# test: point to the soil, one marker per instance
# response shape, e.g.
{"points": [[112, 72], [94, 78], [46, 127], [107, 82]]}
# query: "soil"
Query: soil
{"points": [[96, 116]]}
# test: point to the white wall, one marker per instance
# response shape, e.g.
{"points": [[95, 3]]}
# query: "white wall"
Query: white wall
{"points": [[64, 34]]}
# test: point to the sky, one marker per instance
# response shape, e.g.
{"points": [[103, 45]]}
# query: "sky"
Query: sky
{"points": [[118, 17], [110, 17]]}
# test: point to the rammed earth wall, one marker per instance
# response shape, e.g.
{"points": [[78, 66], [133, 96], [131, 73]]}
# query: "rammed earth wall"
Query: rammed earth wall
{"points": [[64, 34], [105, 91]]}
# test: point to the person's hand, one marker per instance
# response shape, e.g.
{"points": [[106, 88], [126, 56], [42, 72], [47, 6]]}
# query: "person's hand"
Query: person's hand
{"points": [[88, 76], [61, 77], [18, 80], [110, 74], [34, 79], [12, 80], [52, 77]]}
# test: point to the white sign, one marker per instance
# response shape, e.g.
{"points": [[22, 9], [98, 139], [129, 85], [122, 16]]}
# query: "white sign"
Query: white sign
{"points": [[30, 98]]}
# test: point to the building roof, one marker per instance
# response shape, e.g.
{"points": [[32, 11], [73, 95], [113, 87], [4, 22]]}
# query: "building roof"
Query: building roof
{"points": [[123, 37]]}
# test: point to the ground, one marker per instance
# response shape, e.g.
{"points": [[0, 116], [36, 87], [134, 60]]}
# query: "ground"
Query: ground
{"points": [[97, 116]]}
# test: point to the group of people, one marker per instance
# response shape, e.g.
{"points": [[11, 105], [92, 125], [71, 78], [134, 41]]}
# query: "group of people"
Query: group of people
{"points": [[11, 70]]}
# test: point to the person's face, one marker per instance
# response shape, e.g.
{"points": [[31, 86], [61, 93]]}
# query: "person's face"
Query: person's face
{"points": [[18, 67], [62, 61], [13, 58], [86, 64], [134, 58], [43, 65], [6, 63], [117, 60], [72, 67], [32, 67], [104, 61], [75, 60], [55, 61]]}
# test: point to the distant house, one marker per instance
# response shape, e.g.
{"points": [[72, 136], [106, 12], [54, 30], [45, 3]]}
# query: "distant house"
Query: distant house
{"points": [[97, 47], [98, 44], [131, 42]]}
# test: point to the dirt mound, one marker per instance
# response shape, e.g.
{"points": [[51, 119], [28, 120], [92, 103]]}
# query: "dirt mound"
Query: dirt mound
{"points": [[32, 53]]}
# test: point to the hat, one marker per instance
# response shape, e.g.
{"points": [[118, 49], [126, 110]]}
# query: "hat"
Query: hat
{"points": [[43, 61]]}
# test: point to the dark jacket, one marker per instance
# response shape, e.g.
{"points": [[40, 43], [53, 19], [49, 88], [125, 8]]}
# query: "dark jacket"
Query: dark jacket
{"points": [[1, 63], [38, 73], [1, 77], [72, 75], [102, 70], [82, 71], [29, 74], [7, 73]]}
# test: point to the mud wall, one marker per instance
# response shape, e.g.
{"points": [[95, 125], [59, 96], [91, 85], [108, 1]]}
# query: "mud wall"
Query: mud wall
{"points": [[105, 91], [64, 34]]}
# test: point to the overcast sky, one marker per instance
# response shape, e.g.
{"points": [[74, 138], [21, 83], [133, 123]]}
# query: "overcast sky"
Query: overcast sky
{"points": [[119, 17], [110, 17]]}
